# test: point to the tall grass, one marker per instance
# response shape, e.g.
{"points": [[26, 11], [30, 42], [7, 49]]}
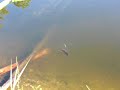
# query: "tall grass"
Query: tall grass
{"points": [[13, 82]]}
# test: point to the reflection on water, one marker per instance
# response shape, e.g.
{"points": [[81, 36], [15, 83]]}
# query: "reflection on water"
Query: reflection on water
{"points": [[90, 30]]}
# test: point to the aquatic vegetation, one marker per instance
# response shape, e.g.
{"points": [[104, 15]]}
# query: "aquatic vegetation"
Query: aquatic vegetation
{"points": [[15, 76]]}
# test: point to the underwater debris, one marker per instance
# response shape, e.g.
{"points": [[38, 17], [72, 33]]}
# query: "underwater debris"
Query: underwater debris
{"points": [[41, 54]]}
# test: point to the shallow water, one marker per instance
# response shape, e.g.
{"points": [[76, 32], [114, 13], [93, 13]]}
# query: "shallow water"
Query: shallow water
{"points": [[90, 30]]}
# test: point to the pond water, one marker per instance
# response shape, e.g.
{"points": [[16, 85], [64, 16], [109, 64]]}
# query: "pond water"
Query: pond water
{"points": [[88, 28]]}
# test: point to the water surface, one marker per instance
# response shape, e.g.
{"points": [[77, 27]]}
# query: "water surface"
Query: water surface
{"points": [[89, 28]]}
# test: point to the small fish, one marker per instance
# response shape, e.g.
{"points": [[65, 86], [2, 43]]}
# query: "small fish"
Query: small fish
{"points": [[65, 52]]}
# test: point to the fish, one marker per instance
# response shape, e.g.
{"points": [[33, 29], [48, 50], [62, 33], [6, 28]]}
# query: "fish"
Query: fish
{"points": [[65, 52]]}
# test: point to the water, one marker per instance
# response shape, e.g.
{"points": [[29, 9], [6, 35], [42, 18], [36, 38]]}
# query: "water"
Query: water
{"points": [[89, 28]]}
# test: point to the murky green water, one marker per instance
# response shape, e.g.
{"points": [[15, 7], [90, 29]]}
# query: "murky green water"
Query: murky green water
{"points": [[90, 30]]}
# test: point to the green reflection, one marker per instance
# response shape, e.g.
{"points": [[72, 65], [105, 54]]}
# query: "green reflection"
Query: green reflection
{"points": [[22, 4], [4, 11]]}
